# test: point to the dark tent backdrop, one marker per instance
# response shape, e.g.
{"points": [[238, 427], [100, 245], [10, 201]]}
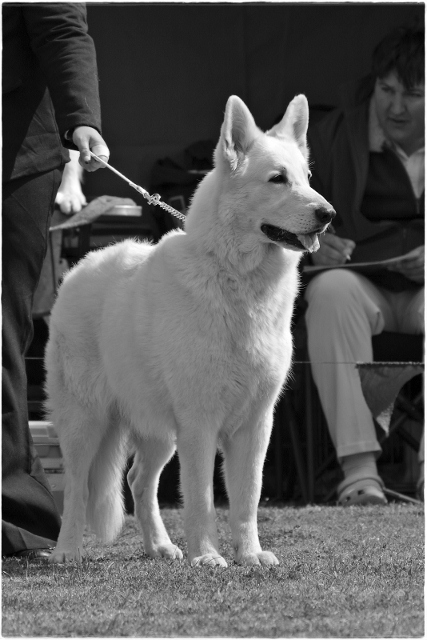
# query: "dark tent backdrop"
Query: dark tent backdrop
{"points": [[166, 70]]}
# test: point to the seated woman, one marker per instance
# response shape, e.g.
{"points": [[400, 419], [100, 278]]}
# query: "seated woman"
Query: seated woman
{"points": [[369, 163]]}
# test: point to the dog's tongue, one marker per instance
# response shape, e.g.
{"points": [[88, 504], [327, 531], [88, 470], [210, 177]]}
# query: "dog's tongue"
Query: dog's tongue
{"points": [[310, 241]]}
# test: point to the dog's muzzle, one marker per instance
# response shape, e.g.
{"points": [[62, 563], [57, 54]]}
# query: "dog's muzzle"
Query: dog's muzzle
{"points": [[276, 234], [301, 241]]}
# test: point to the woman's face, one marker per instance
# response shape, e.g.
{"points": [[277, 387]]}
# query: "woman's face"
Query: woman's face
{"points": [[400, 112]]}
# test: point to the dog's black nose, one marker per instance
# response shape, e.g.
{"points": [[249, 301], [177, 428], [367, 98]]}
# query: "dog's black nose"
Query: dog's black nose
{"points": [[325, 215]]}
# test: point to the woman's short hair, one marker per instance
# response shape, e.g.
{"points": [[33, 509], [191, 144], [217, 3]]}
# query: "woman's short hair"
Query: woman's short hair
{"points": [[401, 51]]}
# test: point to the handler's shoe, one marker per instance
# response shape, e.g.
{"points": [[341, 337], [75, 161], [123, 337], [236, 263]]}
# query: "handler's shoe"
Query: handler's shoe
{"points": [[32, 555]]}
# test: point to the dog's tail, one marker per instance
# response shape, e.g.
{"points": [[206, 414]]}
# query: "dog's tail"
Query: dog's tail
{"points": [[105, 506]]}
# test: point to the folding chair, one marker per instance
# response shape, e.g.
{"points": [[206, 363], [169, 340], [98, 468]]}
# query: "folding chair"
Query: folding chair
{"points": [[307, 424]]}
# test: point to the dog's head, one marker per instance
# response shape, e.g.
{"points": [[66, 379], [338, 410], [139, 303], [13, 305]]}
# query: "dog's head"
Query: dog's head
{"points": [[265, 192]]}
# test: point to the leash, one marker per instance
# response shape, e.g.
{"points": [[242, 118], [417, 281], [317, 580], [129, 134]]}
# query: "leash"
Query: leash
{"points": [[155, 199]]}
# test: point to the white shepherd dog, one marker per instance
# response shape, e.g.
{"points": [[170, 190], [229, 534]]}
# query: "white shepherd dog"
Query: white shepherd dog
{"points": [[186, 344]]}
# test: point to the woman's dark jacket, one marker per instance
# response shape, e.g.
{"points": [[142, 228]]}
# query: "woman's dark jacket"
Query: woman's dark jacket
{"points": [[339, 149]]}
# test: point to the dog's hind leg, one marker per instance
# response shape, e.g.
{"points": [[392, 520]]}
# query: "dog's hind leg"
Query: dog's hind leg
{"points": [[197, 449], [105, 507], [244, 455], [80, 438], [150, 458]]}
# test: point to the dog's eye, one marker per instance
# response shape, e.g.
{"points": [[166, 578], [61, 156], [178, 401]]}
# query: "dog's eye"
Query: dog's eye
{"points": [[279, 179]]}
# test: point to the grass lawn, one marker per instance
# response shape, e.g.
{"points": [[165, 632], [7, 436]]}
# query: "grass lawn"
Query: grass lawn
{"points": [[344, 572]]}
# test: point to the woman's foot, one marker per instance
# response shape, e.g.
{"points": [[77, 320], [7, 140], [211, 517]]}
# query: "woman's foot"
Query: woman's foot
{"points": [[361, 484], [361, 491]]}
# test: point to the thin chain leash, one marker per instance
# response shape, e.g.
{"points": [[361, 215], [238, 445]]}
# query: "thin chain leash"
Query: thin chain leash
{"points": [[151, 199]]}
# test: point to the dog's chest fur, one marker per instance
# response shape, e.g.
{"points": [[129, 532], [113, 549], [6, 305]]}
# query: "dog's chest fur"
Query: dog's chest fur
{"points": [[228, 345]]}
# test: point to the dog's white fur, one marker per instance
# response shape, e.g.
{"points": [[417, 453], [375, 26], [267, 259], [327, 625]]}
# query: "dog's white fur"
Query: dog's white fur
{"points": [[186, 343]]}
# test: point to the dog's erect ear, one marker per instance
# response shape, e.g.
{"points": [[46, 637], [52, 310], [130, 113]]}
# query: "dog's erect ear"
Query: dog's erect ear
{"points": [[294, 123], [238, 132]]}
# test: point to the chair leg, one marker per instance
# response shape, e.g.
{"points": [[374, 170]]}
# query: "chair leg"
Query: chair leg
{"points": [[331, 458], [409, 439], [312, 419], [409, 410], [410, 407], [296, 446], [84, 240], [278, 453], [309, 418], [286, 417]]}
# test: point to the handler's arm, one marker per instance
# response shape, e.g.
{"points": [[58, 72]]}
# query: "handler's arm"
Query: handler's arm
{"points": [[66, 53]]}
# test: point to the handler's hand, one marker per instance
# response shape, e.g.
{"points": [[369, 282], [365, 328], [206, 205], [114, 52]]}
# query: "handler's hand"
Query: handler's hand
{"points": [[88, 139], [70, 197], [333, 250], [412, 265]]}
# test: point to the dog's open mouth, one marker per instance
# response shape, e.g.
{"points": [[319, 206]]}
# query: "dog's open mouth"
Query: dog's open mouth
{"points": [[303, 242]]}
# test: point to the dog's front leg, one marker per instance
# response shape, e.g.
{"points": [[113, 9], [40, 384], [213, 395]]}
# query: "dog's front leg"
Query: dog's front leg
{"points": [[244, 455], [196, 450], [150, 457]]}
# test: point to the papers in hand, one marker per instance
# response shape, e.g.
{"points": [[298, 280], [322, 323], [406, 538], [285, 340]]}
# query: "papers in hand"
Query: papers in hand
{"points": [[373, 266]]}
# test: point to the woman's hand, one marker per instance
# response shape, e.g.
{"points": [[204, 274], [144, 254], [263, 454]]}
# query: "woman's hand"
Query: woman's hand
{"points": [[412, 265], [333, 250]]}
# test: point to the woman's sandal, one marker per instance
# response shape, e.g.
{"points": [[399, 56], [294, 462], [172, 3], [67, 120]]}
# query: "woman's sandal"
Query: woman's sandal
{"points": [[361, 491]]}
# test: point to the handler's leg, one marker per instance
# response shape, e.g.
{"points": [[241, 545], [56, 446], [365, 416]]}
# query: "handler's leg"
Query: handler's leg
{"points": [[29, 517]]}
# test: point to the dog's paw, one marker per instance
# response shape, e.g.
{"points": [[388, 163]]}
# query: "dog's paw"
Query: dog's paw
{"points": [[63, 557], [264, 558], [168, 551], [208, 560]]}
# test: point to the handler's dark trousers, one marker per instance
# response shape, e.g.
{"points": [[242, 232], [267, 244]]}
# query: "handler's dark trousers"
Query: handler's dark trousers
{"points": [[30, 519]]}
